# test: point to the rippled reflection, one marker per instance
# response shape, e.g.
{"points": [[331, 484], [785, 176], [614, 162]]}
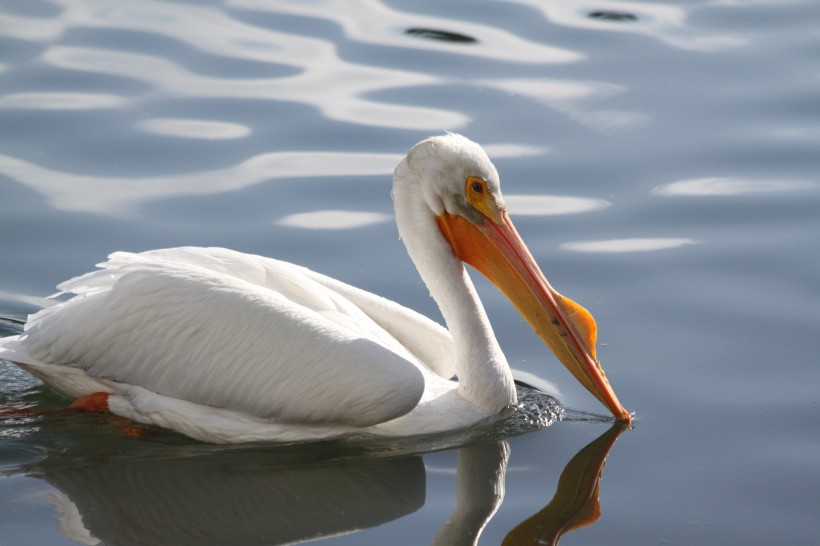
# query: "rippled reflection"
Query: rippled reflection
{"points": [[499, 151], [29, 28], [573, 98], [610, 15], [316, 61], [37, 302], [245, 499], [717, 186], [110, 195], [61, 101], [648, 244], [575, 503], [442, 35], [552, 205], [348, 81], [374, 22], [333, 219], [799, 133], [307, 67], [664, 22], [262, 496], [194, 128], [120, 195]]}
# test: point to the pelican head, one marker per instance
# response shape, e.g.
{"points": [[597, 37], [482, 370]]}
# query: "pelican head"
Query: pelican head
{"points": [[444, 165], [460, 188]]}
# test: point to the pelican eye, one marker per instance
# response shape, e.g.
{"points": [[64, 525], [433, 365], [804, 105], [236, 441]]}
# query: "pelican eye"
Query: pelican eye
{"points": [[476, 184], [480, 198]]}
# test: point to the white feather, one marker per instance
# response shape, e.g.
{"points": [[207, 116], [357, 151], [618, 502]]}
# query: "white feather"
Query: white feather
{"points": [[267, 340]]}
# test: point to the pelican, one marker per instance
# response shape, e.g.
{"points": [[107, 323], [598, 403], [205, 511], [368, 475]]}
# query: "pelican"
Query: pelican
{"points": [[227, 347]]}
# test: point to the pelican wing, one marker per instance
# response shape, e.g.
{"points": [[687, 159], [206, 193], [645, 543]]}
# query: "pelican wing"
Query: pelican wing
{"points": [[428, 341], [229, 330]]}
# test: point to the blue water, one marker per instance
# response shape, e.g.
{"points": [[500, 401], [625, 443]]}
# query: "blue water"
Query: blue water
{"points": [[660, 159]]}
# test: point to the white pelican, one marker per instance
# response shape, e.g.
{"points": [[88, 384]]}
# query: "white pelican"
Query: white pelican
{"points": [[230, 347]]}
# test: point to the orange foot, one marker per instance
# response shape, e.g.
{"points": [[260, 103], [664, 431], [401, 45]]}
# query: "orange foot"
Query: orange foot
{"points": [[96, 402]]}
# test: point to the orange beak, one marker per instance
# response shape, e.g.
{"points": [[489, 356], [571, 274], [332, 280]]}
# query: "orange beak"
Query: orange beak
{"points": [[495, 249]]}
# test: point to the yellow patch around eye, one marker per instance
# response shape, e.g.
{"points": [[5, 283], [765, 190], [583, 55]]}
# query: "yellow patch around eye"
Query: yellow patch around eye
{"points": [[479, 197]]}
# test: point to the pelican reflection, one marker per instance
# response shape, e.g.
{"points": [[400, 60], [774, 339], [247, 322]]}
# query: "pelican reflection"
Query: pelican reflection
{"points": [[575, 503], [251, 497]]}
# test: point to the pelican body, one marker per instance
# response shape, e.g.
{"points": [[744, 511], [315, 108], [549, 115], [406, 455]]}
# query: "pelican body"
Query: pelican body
{"points": [[229, 347]]}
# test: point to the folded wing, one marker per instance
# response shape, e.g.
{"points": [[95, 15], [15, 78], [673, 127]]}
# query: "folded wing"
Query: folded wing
{"points": [[242, 332]]}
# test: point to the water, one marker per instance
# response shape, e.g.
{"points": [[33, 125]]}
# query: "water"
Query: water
{"points": [[660, 159]]}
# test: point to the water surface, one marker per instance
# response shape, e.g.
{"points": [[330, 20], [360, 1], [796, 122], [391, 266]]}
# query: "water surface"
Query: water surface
{"points": [[660, 159]]}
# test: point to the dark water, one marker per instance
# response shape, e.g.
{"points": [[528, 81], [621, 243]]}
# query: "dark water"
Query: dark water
{"points": [[660, 159]]}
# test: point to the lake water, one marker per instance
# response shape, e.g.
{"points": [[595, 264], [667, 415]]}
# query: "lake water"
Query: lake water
{"points": [[660, 159]]}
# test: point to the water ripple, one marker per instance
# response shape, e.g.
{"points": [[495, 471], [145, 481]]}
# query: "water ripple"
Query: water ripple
{"points": [[573, 98], [348, 81], [664, 22], [373, 22], [646, 244], [333, 219], [317, 62], [120, 195], [58, 100], [30, 29], [193, 128], [722, 186], [123, 196], [552, 205]]}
